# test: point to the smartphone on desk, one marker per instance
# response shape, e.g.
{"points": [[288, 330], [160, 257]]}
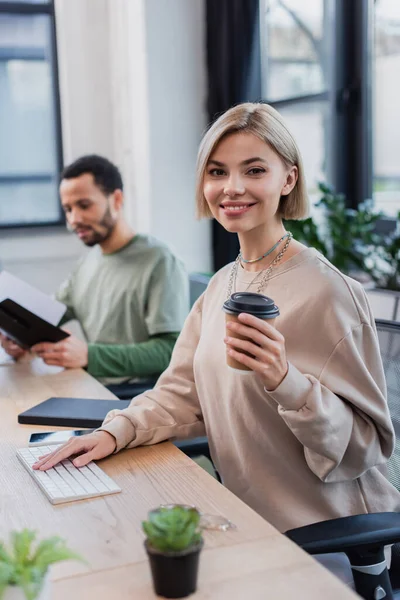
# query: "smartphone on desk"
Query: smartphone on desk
{"points": [[48, 438]]}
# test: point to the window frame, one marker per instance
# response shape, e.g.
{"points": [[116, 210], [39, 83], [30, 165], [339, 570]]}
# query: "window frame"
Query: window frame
{"points": [[350, 98], [45, 8]]}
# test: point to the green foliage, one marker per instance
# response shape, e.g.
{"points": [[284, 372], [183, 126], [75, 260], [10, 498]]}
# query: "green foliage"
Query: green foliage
{"points": [[346, 235], [348, 239], [172, 529], [306, 231], [25, 566], [388, 251]]}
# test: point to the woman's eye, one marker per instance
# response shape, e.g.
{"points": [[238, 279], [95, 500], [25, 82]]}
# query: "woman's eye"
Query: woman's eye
{"points": [[255, 171], [216, 172]]}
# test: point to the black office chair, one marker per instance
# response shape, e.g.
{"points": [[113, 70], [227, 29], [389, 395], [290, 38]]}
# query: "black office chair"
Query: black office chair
{"points": [[127, 391], [362, 538], [198, 283]]}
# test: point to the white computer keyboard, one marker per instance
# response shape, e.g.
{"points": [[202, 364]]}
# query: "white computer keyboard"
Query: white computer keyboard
{"points": [[65, 482]]}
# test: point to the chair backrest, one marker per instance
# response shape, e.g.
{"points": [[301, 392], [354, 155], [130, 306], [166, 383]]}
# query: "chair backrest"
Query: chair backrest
{"points": [[197, 285], [389, 342], [385, 304]]}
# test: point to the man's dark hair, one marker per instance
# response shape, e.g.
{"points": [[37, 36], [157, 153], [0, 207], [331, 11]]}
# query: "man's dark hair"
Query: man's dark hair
{"points": [[105, 174]]}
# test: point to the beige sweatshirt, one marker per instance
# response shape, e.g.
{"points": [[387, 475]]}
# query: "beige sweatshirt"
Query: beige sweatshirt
{"points": [[308, 451]]}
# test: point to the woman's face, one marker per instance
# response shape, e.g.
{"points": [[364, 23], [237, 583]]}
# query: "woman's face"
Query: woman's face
{"points": [[244, 181]]}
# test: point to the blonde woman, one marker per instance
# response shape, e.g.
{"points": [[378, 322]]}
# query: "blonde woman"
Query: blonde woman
{"points": [[301, 437]]}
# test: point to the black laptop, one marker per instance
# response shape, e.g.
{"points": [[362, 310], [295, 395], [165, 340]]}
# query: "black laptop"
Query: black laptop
{"points": [[71, 412], [26, 328]]}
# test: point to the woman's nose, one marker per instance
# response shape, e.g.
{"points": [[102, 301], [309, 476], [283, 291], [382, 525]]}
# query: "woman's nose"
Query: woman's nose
{"points": [[234, 187]]}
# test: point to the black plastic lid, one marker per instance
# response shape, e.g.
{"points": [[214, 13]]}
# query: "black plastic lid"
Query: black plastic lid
{"points": [[253, 304]]}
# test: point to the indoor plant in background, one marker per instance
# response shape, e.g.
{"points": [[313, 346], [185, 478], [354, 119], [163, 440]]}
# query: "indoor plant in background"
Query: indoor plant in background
{"points": [[347, 237], [386, 272], [24, 567], [173, 544]]}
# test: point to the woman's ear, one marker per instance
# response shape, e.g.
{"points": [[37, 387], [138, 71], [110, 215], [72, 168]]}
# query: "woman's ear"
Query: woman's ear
{"points": [[291, 180]]}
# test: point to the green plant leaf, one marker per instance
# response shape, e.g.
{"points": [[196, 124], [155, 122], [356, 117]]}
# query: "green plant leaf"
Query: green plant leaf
{"points": [[22, 543], [4, 555], [26, 569], [51, 551], [2, 589], [7, 572], [31, 583]]}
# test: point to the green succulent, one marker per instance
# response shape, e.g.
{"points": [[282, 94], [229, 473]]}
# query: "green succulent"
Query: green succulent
{"points": [[25, 565], [172, 529]]}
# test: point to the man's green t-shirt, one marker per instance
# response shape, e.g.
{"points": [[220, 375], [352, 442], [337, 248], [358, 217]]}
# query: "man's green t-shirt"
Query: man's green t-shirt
{"points": [[125, 303]]}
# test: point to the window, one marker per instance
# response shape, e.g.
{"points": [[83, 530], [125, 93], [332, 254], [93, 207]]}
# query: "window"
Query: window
{"points": [[329, 66], [296, 75], [30, 141], [386, 139]]}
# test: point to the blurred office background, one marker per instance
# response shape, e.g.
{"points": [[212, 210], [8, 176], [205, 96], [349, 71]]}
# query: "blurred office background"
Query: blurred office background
{"points": [[139, 80]]}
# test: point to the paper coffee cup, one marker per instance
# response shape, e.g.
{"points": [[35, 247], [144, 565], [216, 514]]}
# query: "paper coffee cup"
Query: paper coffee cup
{"points": [[257, 305]]}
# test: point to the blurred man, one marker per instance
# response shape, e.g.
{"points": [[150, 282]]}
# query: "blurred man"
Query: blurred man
{"points": [[129, 293]]}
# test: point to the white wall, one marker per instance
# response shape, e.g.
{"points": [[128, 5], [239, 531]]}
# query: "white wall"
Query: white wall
{"points": [[177, 84], [132, 85], [43, 257], [158, 77], [83, 44]]}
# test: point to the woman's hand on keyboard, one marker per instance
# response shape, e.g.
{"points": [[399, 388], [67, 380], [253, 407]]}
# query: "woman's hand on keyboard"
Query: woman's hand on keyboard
{"points": [[92, 446]]}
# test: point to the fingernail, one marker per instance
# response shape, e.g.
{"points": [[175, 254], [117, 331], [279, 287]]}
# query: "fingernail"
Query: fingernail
{"points": [[77, 462]]}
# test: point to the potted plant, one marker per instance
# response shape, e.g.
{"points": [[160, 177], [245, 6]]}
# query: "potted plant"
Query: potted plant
{"points": [[387, 273], [173, 545], [24, 569], [351, 241], [346, 236]]}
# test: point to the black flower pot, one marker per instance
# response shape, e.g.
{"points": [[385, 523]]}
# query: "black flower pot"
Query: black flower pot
{"points": [[174, 574]]}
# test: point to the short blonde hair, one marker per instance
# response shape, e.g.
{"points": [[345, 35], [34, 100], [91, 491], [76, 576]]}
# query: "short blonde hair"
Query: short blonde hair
{"points": [[267, 124]]}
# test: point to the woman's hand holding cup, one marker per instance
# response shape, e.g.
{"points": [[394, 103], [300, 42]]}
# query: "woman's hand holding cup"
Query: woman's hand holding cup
{"points": [[252, 341]]}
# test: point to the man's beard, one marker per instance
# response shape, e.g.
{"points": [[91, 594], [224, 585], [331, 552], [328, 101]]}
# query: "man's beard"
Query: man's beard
{"points": [[107, 224]]}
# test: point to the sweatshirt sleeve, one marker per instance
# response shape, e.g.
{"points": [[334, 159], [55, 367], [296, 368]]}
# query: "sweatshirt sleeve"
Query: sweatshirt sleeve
{"points": [[131, 360], [172, 408], [341, 418]]}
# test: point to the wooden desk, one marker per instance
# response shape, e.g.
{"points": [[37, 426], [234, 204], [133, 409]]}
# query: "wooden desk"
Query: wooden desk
{"points": [[255, 561]]}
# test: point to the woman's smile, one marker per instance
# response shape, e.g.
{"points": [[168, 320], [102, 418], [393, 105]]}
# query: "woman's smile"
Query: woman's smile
{"points": [[236, 209]]}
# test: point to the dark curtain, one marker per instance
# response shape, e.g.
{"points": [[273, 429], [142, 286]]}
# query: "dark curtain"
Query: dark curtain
{"points": [[234, 76]]}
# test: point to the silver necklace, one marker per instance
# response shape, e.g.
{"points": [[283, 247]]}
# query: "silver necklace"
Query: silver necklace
{"points": [[254, 260], [265, 273]]}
